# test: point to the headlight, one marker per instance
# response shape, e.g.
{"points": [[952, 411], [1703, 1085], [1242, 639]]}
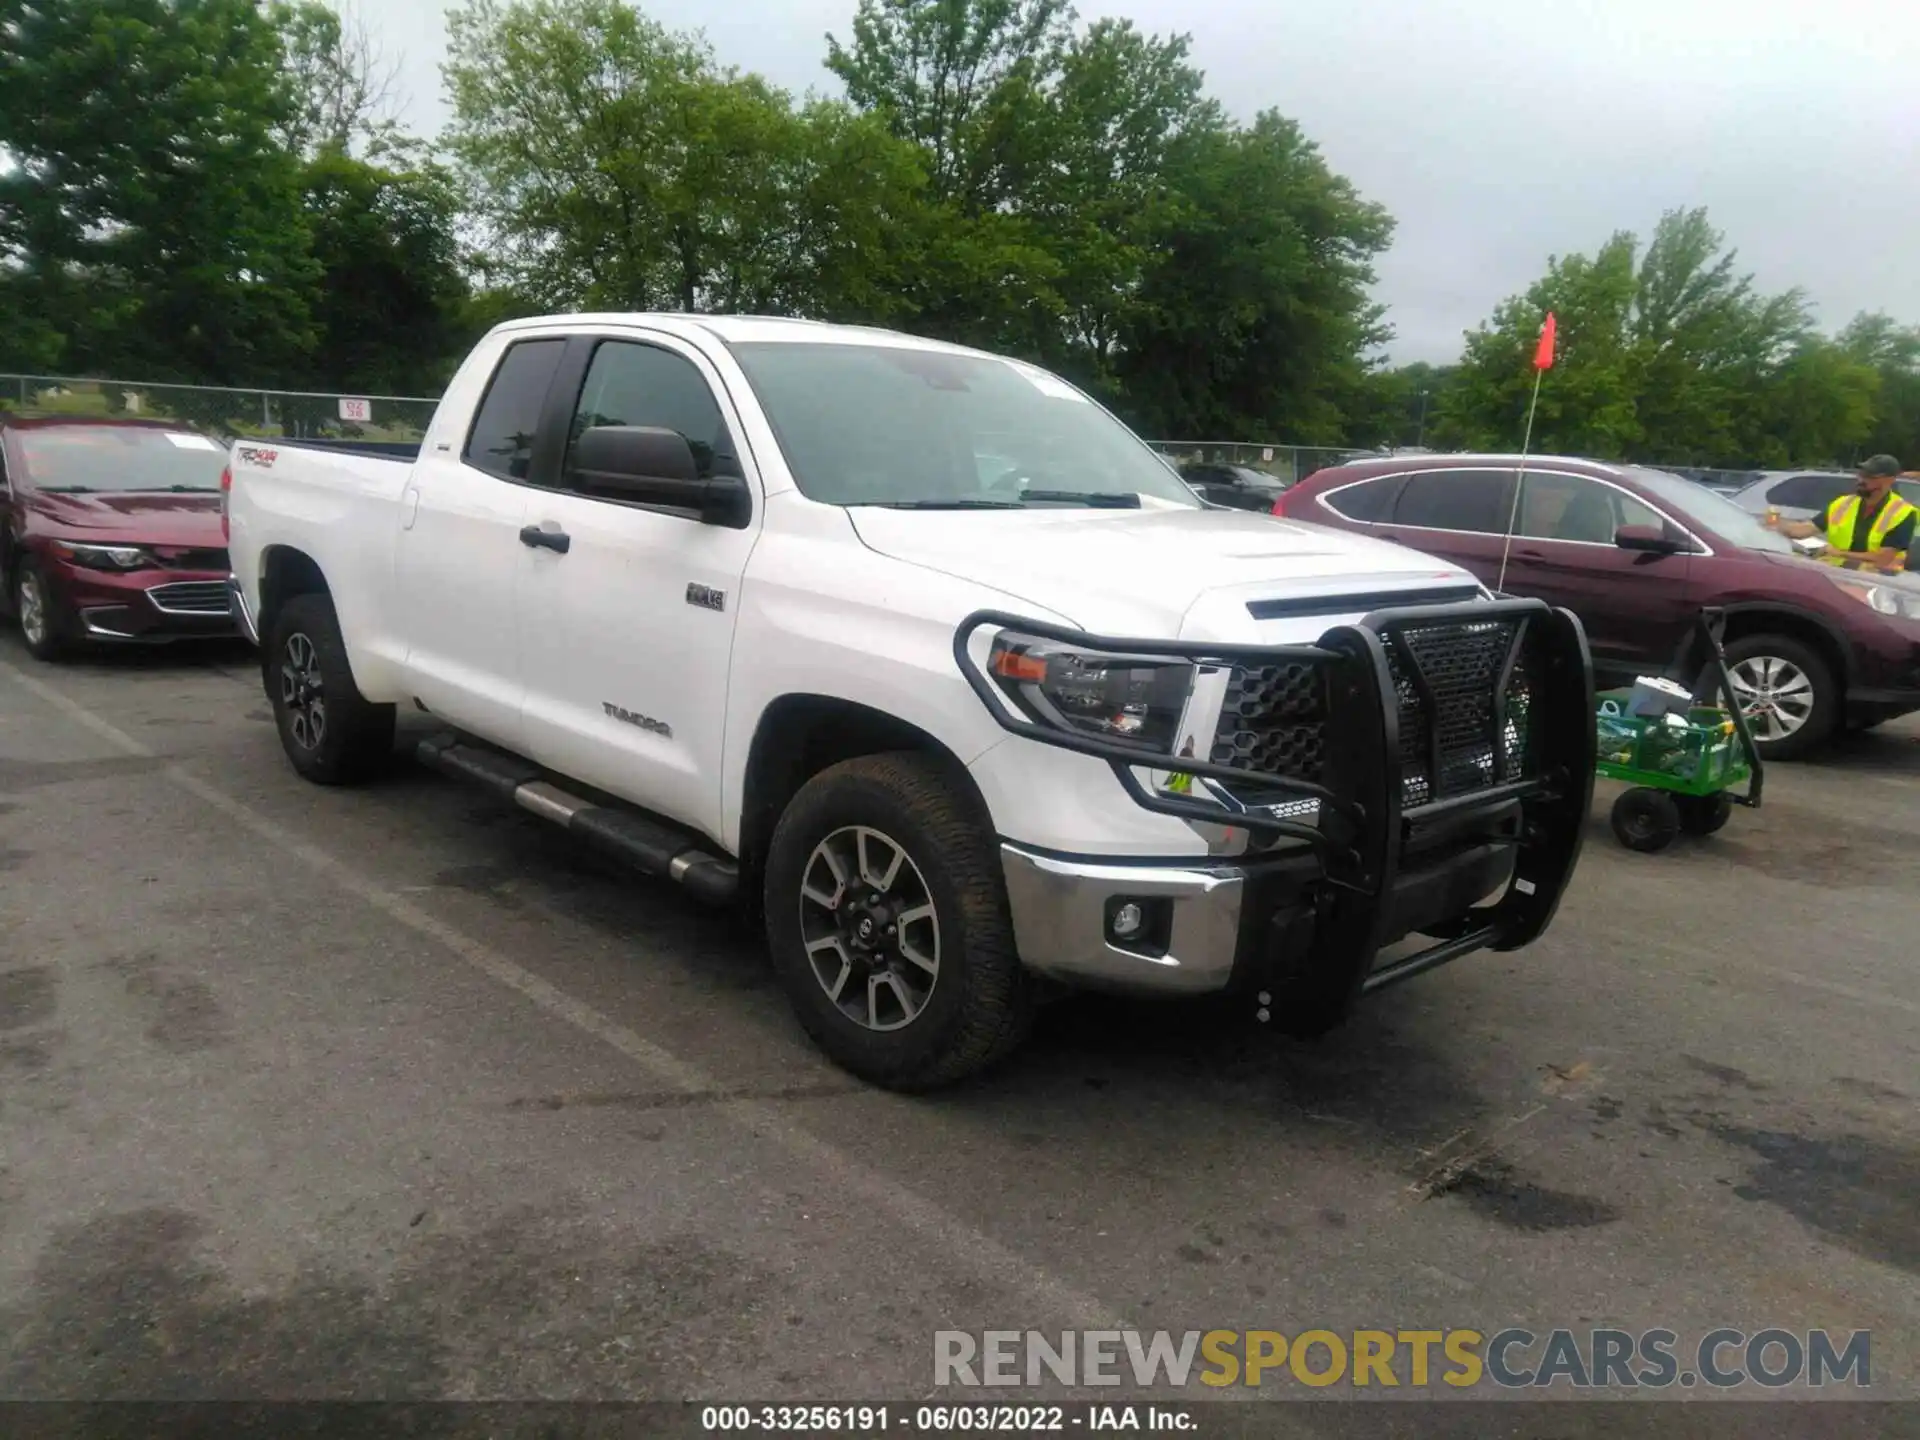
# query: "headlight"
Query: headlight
{"points": [[1132, 700], [1887, 599], [104, 557]]}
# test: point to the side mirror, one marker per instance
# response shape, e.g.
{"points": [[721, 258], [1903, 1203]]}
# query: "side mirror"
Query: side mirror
{"points": [[654, 466], [1649, 540]]}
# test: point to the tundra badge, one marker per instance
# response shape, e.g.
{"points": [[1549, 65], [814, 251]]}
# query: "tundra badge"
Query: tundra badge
{"points": [[645, 722], [706, 597]]}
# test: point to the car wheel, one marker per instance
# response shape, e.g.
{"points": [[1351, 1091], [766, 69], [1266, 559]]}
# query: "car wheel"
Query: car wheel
{"points": [[1703, 814], [888, 925], [41, 624], [1645, 820], [1788, 692], [332, 734]]}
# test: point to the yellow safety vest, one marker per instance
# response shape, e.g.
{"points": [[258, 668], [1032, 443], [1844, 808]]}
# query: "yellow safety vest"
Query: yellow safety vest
{"points": [[1840, 517]]}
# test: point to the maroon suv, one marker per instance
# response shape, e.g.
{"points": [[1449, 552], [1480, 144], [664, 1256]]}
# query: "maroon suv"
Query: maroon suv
{"points": [[112, 532], [1636, 554]]}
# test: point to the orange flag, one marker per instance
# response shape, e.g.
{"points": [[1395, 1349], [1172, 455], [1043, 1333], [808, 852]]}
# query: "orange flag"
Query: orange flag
{"points": [[1543, 353]]}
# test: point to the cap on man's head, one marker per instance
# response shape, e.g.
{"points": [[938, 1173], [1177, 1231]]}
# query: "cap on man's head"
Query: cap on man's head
{"points": [[1880, 467]]}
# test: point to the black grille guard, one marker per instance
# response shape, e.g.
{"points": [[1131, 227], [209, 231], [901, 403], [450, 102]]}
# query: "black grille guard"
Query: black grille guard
{"points": [[1363, 826]]}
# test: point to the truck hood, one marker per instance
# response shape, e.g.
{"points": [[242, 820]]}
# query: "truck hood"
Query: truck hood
{"points": [[128, 517], [1140, 572]]}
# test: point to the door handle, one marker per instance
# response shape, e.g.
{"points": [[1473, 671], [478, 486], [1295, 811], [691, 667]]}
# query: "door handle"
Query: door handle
{"points": [[534, 538]]}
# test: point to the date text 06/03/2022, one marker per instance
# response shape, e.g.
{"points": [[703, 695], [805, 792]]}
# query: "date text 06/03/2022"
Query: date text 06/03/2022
{"points": [[943, 1419]]}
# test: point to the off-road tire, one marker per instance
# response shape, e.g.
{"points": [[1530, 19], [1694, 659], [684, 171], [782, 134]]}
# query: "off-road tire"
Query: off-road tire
{"points": [[981, 1003], [356, 740]]}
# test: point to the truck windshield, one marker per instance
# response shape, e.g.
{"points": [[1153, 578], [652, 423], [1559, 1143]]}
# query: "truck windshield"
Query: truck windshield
{"points": [[904, 426], [82, 458]]}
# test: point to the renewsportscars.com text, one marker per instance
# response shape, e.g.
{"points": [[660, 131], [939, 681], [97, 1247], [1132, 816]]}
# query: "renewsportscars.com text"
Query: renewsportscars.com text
{"points": [[1594, 1359]]}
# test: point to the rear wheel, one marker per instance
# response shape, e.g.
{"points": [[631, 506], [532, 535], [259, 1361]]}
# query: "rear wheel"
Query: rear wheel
{"points": [[1789, 694], [41, 624], [330, 732], [888, 925], [1703, 814]]}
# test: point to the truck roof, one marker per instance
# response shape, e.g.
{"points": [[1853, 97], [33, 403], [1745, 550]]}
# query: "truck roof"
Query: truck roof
{"points": [[760, 329]]}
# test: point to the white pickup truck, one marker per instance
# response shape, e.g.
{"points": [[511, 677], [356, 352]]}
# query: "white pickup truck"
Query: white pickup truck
{"points": [[923, 654]]}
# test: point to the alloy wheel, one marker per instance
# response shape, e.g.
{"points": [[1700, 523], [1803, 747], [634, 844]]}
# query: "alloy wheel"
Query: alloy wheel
{"points": [[870, 929], [302, 692], [1776, 695], [31, 606]]}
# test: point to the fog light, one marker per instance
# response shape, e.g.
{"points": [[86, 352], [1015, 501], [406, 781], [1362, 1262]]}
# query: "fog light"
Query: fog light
{"points": [[1140, 924]]}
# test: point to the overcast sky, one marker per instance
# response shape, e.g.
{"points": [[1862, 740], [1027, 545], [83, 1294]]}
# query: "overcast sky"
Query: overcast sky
{"points": [[1499, 132]]}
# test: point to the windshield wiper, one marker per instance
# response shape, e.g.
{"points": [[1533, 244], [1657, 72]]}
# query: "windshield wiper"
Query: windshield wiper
{"points": [[1096, 499], [962, 503], [66, 489]]}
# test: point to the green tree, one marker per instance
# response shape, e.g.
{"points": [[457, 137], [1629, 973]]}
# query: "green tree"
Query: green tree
{"points": [[1118, 106], [149, 219], [1892, 352], [615, 165], [340, 88], [390, 293], [963, 81], [1588, 406], [1670, 355], [1253, 316]]}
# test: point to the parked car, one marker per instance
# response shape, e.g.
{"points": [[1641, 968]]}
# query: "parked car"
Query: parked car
{"points": [[1239, 487], [112, 532], [735, 600], [1803, 494], [1636, 553]]}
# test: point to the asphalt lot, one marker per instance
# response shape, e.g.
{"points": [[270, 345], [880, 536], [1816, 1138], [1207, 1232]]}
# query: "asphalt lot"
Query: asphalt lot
{"points": [[391, 1093]]}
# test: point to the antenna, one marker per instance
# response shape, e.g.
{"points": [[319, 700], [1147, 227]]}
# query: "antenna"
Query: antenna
{"points": [[1542, 362]]}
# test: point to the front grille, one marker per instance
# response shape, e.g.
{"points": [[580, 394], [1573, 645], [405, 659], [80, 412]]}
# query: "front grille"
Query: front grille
{"points": [[191, 597], [1462, 665], [1272, 721], [1274, 716]]}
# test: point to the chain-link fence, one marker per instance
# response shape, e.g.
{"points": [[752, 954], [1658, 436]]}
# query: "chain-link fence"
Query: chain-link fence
{"points": [[1287, 463], [231, 413], [401, 420]]}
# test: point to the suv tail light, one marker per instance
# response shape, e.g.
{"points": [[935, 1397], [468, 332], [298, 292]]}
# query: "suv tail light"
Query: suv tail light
{"points": [[226, 494]]}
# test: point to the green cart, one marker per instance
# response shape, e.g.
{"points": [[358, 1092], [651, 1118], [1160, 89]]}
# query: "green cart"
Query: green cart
{"points": [[1683, 774]]}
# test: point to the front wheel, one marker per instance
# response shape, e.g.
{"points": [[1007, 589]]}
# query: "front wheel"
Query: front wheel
{"points": [[888, 926], [1645, 820], [330, 732], [1789, 694], [40, 622]]}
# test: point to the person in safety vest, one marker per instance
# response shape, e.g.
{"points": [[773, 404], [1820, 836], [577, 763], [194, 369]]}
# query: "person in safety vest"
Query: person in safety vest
{"points": [[1867, 530]]}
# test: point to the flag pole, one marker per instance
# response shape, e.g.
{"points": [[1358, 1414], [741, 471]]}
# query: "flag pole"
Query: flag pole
{"points": [[1542, 359]]}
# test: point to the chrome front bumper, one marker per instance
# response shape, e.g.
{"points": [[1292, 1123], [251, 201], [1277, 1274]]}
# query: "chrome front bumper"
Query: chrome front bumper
{"points": [[242, 615], [1061, 910]]}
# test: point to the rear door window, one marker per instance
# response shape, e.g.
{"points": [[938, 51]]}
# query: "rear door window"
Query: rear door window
{"points": [[1807, 492], [1370, 501], [1473, 501], [501, 441]]}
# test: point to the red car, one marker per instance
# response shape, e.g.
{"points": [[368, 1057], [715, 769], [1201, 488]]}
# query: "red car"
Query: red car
{"points": [[112, 532], [1636, 554]]}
